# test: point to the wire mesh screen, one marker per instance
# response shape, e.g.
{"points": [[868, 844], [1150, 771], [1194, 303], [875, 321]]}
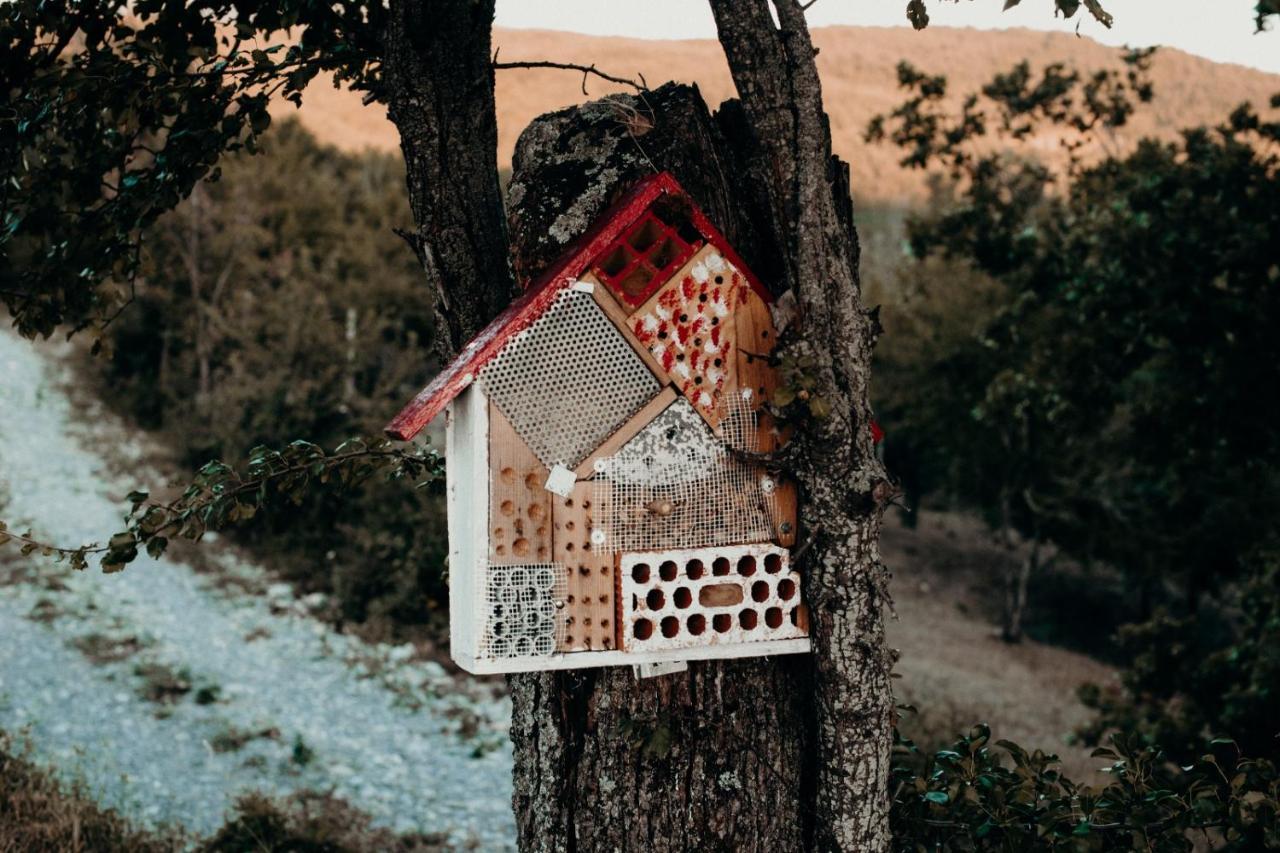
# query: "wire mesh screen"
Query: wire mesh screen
{"points": [[522, 604], [677, 485], [569, 380]]}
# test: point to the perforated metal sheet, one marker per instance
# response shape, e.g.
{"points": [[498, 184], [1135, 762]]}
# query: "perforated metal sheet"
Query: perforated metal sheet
{"points": [[677, 485], [521, 610], [711, 596], [569, 380]]}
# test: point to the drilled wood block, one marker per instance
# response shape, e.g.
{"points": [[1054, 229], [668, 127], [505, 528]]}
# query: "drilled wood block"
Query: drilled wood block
{"points": [[589, 620], [725, 596], [782, 511], [756, 338], [519, 505], [689, 326]]}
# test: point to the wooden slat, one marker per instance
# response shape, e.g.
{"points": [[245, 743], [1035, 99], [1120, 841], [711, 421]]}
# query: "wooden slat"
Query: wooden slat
{"points": [[782, 512], [757, 338], [591, 623], [519, 505], [626, 432]]}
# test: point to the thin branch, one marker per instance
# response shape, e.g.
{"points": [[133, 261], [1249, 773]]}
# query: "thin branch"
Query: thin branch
{"points": [[639, 86], [217, 489]]}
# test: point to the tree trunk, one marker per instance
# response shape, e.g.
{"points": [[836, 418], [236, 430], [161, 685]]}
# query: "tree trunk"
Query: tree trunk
{"points": [[778, 754], [439, 88], [843, 483], [714, 758], [1015, 594]]}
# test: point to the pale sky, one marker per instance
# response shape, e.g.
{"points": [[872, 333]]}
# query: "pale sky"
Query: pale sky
{"points": [[1221, 30]]}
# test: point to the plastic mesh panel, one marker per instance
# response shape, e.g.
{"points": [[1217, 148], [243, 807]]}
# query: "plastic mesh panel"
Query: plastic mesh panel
{"points": [[521, 604], [676, 485], [568, 381]]}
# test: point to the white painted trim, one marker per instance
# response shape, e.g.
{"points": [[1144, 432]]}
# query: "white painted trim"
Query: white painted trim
{"points": [[467, 503], [584, 660]]}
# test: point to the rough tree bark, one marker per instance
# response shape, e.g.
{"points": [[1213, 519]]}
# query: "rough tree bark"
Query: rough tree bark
{"points": [[714, 758], [781, 754], [439, 86], [844, 486]]}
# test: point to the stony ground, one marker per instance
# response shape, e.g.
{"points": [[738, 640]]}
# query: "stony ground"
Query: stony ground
{"points": [[170, 691]]}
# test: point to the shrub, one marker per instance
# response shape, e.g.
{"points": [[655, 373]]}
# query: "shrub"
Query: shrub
{"points": [[278, 302], [974, 797], [40, 815]]}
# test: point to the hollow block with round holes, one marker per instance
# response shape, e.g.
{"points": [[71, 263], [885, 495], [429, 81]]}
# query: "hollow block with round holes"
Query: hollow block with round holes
{"points": [[708, 596]]}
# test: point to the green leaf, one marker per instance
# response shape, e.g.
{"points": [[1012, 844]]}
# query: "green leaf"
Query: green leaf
{"points": [[939, 797]]}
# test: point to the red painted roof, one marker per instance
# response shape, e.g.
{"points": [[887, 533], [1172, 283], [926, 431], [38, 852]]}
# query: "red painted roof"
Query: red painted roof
{"points": [[538, 296]]}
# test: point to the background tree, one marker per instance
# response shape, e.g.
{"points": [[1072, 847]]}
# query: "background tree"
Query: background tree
{"points": [[1127, 344]]}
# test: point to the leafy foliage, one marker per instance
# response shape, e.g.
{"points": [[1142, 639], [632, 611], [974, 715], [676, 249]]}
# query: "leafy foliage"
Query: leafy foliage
{"points": [[1100, 388], [221, 495], [278, 302], [918, 10], [1192, 677], [110, 115], [968, 797], [1116, 389]]}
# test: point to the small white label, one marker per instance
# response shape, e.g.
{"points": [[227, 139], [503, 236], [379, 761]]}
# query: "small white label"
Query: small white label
{"points": [[561, 480], [654, 669], [584, 286]]}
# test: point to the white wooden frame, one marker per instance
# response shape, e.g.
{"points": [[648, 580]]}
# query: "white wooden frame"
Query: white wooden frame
{"points": [[467, 508], [584, 660]]}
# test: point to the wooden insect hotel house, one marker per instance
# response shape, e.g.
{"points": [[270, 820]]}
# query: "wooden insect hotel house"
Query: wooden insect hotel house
{"points": [[604, 504]]}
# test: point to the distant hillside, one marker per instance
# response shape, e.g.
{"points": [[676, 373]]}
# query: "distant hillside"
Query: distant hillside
{"points": [[857, 66]]}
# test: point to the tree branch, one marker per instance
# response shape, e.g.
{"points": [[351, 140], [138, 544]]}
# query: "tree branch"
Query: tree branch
{"points": [[640, 86], [220, 496]]}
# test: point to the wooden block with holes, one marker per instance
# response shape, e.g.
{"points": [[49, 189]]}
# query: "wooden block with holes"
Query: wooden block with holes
{"points": [[757, 338], [588, 613], [782, 511], [519, 505], [690, 328]]}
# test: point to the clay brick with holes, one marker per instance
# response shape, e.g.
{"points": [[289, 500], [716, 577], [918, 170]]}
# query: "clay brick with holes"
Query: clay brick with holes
{"points": [[642, 259], [708, 596]]}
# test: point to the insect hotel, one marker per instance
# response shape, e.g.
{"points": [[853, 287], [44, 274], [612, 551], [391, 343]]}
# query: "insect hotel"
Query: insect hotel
{"points": [[604, 502]]}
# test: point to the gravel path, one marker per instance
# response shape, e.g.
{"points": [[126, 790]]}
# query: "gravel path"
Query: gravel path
{"points": [[267, 697]]}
